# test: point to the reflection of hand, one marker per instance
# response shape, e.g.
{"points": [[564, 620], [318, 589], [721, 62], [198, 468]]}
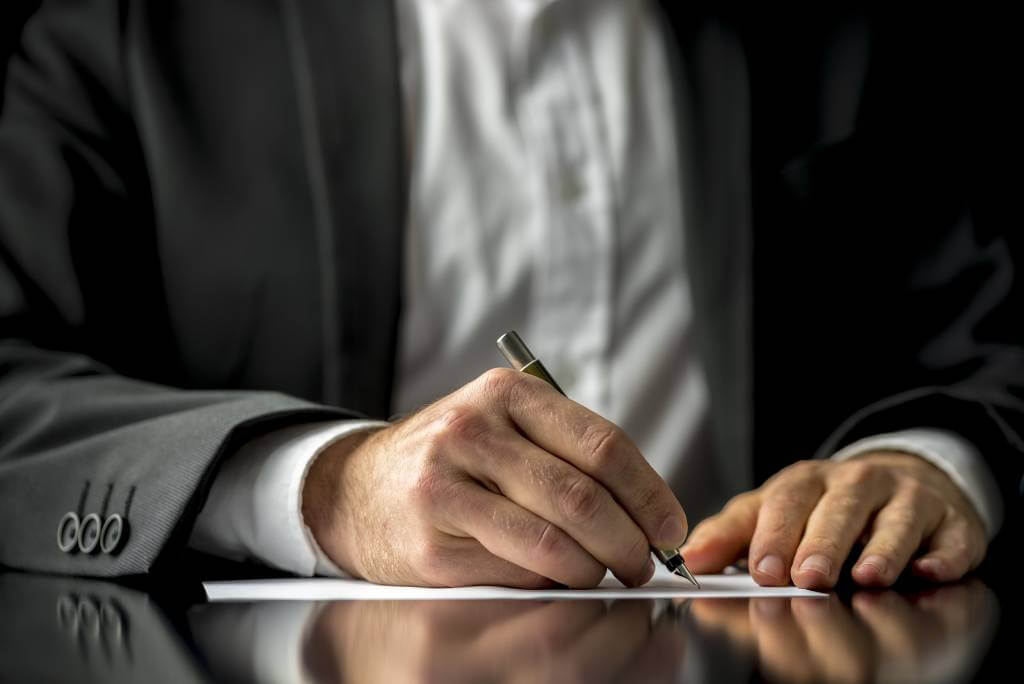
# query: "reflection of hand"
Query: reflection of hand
{"points": [[504, 481], [472, 641], [886, 636], [803, 522]]}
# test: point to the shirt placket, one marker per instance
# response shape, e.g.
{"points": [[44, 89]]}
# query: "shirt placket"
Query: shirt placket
{"points": [[564, 133]]}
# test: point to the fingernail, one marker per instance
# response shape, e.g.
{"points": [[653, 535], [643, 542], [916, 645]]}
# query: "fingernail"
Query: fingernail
{"points": [[930, 566], [817, 563], [771, 566], [672, 532], [877, 563], [768, 607], [811, 607]]}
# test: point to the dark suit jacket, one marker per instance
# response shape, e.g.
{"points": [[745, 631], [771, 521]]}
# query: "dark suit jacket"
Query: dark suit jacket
{"points": [[201, 207]]}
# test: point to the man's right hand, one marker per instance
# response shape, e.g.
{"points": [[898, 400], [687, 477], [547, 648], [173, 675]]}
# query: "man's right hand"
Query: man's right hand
{"points": [[504, 482]]}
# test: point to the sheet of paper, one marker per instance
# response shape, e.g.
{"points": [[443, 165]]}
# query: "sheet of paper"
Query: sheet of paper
{"points": [[663, 585]]}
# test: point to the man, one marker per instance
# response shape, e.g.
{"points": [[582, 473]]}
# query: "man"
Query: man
{"points": [[201, 203]]}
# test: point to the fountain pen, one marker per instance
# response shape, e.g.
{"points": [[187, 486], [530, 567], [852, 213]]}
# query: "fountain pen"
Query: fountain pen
{"points": [[519, 357]]}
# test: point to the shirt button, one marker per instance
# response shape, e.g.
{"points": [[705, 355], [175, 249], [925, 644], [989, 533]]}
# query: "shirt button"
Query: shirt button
{"points": [[572, 187]]}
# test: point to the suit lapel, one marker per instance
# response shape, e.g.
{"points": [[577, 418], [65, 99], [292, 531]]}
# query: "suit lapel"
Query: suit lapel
{"points": [[344, 56]]}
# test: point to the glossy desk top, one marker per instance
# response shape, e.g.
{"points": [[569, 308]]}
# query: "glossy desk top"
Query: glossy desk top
{"points": [[67, 629]]}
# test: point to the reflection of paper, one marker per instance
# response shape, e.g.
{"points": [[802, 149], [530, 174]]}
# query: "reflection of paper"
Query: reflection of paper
{"points": [[664, 585]]}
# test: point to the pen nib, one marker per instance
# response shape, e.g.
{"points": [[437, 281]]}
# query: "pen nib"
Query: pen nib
{"points": [[685, 574]]}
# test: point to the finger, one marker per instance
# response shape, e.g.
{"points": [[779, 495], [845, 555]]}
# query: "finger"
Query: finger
{"points": [[602, 652], [956, 548], [785, 507], [781, 645], [841, 647], [593, 445], [731, 616], [535, 637], [466, 562], [474, 616], [575, 502], [661, 658], [521, 538], [961, 608], [896, 535], [900, 631], [719, 540], [834, 525]]}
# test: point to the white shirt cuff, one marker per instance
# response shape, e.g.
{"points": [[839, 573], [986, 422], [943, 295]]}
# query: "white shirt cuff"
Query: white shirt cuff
{"points": [[950, 453], [254, 510]]}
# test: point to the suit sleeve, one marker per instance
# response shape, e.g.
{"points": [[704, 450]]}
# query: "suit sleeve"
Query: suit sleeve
{"points": [[930, 250], [981, 357], [91, 422]]}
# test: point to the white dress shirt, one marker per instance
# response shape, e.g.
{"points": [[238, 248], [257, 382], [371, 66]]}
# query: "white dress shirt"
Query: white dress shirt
{"points": [[544, 197]]}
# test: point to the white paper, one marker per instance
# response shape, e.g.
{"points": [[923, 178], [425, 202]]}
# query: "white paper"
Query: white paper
{"points": [[663, 585]]}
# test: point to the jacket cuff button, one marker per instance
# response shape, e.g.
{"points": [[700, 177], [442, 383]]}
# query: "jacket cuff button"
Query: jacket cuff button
{"points": [[112, 533], [67, 532], [89, 533]]}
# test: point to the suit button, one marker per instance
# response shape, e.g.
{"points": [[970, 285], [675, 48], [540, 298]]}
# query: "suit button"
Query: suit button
{"points": [[89, 533], [67, 532], [110, 537]]}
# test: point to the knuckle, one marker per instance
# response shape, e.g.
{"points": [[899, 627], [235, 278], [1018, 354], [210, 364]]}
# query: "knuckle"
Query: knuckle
{"points": [[462, 424], [916, 492], [958, 548], [431, 489], [500, 383], [899, 519], [804, 468], [433, 562], [800, 470], [580, 500], [736, 502], [846, 500], [857, 472], [821, 544], [549, 541], [650, 505], [773, 528], [601, 444], [785, 502]]}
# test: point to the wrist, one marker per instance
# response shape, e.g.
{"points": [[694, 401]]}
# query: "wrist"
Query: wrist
{"points": [[327, 499]]}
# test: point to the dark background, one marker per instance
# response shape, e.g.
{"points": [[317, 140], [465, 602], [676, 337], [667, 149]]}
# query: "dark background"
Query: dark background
{"points": [[13, 14]]}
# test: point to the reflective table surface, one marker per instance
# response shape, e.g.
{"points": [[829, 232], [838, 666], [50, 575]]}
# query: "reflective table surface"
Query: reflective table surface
{"points": [[67, 629]]}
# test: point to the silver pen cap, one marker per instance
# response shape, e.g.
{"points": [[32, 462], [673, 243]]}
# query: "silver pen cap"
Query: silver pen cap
{"points": [[520, 357]]}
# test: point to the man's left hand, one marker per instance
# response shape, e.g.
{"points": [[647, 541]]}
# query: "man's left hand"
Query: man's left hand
{"points": [[801, 525]]}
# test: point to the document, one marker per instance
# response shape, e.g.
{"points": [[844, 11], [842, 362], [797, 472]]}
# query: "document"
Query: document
{"points": [[663, 585]]}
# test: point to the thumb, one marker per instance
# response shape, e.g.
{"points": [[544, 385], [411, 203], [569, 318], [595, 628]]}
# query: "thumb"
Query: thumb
{"points": [[721, 539]]}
